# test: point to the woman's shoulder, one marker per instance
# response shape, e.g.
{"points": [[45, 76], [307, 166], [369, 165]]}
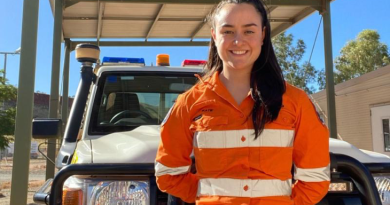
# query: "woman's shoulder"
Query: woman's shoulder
{"points": [[292, 90], [191, 95], [294, 94]]}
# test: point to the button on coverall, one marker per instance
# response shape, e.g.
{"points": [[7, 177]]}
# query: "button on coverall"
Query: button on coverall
{"points": [[232, 167]]}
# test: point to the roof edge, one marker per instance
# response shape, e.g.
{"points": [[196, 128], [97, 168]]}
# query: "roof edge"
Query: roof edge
{"points": [[349, 83]]}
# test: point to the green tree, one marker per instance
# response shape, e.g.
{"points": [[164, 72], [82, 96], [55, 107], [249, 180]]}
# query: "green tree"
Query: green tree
{"points": [[7, 116], [362, 55], [321, 77], [289, 56]]}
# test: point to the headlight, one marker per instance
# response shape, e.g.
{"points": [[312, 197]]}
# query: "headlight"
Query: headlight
{"points": [[120, 192], [105, 192], [383, 185]]}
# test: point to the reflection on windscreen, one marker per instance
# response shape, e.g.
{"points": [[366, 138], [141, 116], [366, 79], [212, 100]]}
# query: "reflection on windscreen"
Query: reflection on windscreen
{"points": [[124, 102]]}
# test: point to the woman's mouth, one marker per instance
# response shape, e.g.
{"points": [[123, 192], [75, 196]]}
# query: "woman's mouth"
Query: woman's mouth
{"points": [[239, 52]]}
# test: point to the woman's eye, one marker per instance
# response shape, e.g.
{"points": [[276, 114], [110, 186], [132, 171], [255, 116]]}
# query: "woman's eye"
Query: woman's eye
{"points": [[227, 32], [249, 32]]}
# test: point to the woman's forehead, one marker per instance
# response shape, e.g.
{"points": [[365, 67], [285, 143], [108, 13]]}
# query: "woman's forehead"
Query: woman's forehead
{"points": [[237, 14]]}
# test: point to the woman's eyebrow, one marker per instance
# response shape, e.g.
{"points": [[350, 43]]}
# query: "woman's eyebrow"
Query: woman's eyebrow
{"points": [[231, 26], [227, 26], [249, 25]]}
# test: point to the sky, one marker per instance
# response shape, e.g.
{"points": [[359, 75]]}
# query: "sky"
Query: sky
{"points": [[348, 17]]}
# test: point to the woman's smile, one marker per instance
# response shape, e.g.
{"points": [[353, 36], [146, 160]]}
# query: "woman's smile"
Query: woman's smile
{"points": [[239, 52]]}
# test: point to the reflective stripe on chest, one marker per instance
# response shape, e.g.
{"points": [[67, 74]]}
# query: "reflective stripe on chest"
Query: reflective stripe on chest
{"points": [[244, 138]]}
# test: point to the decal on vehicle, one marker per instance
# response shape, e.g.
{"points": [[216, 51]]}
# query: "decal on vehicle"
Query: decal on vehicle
{"points": [[75, 158], [112, 79]]}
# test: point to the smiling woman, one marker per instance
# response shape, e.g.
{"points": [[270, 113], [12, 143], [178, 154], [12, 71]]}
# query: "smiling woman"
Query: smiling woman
{"points": [[243, 123]]}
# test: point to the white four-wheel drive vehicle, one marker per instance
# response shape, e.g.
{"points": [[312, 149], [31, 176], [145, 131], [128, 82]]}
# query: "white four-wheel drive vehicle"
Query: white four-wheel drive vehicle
{"points": [[111, 139]]}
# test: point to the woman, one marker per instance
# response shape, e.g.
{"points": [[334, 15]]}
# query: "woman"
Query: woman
{"points": [[244, 124]]}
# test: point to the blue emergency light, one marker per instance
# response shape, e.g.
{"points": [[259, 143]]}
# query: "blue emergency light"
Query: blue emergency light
{"points": [[119, 60]]}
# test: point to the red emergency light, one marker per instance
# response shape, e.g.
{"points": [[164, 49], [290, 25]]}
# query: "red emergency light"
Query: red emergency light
{"points": [[193, 63]]}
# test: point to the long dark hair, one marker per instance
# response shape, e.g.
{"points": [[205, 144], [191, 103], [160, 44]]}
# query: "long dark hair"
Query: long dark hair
{"points": [[266, 81]]}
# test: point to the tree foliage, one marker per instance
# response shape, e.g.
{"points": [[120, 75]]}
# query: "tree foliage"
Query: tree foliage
{"points": [[321, 77], [7, 116], [362, 55], [289, 56]]}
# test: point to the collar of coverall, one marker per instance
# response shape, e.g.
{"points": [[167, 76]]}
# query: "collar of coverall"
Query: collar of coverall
{"points": [[216, 85]]}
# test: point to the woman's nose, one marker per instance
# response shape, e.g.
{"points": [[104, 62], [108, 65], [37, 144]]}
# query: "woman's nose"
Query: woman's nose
{"points": [[237, 40]]}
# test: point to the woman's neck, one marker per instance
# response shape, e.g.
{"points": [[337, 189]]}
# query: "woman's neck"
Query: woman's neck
{"points": [[236, 78], [237, 83]]}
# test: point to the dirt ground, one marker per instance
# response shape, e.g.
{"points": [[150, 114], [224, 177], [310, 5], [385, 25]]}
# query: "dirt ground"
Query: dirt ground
{"points": [[36, 179]]}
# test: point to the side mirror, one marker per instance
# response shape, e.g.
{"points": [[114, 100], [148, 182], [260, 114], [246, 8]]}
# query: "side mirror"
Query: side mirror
{"points": [[46, 128]]}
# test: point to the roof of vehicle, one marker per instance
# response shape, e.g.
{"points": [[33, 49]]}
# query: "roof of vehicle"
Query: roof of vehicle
{"points": [[158, 19], [148, 69]]}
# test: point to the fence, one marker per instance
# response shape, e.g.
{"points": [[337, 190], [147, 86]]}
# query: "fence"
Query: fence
{"points": [[37, 172]]}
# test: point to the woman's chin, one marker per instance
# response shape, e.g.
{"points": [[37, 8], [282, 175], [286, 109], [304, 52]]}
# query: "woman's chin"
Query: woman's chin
{"points": [[239, 67]]}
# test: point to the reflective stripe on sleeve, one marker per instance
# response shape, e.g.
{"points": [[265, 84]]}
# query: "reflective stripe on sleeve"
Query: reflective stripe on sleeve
{"points": [[243, 138], [161, 169], [243, 187], [312, 175]]}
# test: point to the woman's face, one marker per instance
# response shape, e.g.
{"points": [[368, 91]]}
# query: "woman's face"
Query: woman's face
{"points": [[238, 35]]}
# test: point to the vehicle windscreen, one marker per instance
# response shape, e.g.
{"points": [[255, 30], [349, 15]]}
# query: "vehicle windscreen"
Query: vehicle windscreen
{"points": [[126, 100]]}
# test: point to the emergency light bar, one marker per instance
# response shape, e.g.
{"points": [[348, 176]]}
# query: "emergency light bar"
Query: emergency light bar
{"points": [[123, 61], [162, 60], [193, 63]]}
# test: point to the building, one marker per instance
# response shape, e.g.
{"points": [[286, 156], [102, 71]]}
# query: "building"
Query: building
{"points": [[363, 110], [41, 110], [41, 105]]}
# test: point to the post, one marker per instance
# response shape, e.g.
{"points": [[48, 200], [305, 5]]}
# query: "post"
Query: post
{"points": [[330, 92], [24, 112], [65, 84], [55, 77]]}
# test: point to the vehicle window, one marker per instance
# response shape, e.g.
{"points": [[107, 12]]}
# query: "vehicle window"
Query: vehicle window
{"points": [[125, 101]]}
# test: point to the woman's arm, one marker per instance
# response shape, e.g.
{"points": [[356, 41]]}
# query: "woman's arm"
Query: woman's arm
{"points": [[310, 155], [173, 162]]}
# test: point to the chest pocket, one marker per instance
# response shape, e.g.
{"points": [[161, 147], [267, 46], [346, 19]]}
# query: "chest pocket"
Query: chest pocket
{"points": [[209, 162], [286, 118], [207, 122]]}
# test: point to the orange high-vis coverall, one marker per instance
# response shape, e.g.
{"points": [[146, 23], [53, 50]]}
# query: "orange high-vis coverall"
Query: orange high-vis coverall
{"points": [[232, 167]]}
